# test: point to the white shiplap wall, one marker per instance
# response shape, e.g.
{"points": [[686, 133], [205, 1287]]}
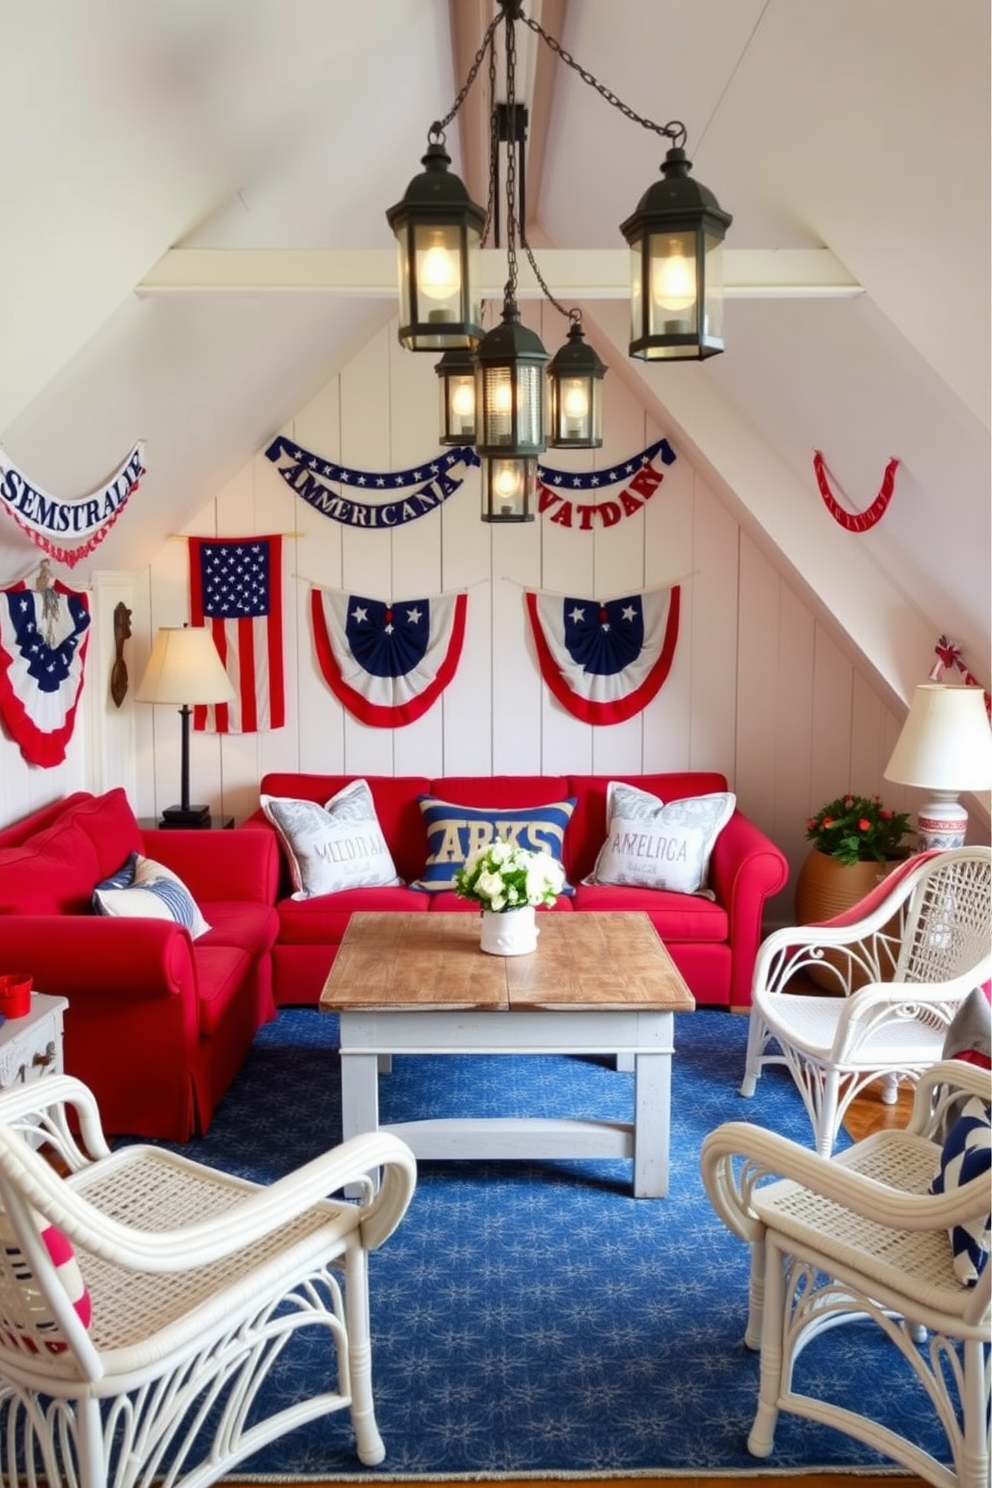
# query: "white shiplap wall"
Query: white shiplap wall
{"points": [[758, 689]]}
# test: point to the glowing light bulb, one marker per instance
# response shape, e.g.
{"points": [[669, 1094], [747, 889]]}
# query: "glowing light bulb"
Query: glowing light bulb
{"points": [[575, 403], [507, 485], [439, 274], [463, 399], [503, 397], [673, 279]]}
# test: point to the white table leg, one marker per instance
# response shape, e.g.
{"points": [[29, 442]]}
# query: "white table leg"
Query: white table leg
{"points": [[359, 1101], [652, 1113]]}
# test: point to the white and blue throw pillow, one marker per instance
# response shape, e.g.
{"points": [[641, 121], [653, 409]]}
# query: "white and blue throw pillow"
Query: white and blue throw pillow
{"points": [[335, 846], [145, 890], [454, 832], [654, 844], [965, 1156]]}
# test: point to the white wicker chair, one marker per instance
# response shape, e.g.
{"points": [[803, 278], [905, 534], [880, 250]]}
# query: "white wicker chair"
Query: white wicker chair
{"points": [[918, 952], [858, 1236], [198, 1282]]}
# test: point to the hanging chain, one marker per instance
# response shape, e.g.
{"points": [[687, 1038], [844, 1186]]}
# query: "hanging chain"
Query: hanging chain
{"points": [[510, 292], [437, 129], [674, 130]]}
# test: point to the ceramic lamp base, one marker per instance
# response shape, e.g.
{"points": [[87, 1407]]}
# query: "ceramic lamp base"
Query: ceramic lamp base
{"points": [[940, 824]]}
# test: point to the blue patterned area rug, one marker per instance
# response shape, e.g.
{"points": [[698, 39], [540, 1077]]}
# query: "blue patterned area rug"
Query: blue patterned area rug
{"points": [[534, 1319]]}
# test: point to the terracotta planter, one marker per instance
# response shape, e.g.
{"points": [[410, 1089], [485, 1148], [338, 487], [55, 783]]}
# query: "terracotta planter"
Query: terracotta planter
{"points": [[826, 887]]}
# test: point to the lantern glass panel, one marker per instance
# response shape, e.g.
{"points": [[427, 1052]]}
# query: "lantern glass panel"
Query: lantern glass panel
{"points": [[713, 292], [438, 264], [457, 407], [576, 411], [511, 406], [672, 277], [509, 487]]}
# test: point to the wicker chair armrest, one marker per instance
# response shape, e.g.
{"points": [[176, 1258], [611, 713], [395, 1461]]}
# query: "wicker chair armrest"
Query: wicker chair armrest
{"points": [[940, 1092], [47, 1102], [737, 1157], [258, 1213]]}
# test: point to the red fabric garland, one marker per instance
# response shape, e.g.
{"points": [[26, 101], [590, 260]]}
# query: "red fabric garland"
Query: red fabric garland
{"points": [[858, 521]]}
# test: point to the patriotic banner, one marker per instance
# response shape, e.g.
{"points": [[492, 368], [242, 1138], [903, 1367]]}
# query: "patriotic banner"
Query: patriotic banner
{"points": [[44, 633], [306, 473], [387, 662], [86, 520], [235, 586], [561, 497], [605, 660]]}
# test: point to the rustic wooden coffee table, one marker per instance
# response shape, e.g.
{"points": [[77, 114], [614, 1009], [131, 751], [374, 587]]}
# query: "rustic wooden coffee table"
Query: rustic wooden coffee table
{"points": [[597, 984]]}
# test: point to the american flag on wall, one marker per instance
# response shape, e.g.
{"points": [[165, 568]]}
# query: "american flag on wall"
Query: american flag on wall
{"points": [[236, 587]]}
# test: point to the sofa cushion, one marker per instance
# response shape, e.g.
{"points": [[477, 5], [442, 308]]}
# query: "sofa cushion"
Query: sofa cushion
{"points": [[653, 844], [676, 917], [323, 921], [455, 831], [239, 922], [335, 846], [145, 890], [52, 873], [111, 827]]}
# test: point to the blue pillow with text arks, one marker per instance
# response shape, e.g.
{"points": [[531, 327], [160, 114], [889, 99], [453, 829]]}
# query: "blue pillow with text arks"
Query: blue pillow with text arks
{"points": [[454, 832]]}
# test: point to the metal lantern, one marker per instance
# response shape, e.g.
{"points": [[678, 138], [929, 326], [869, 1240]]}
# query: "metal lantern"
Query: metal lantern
{"points": [[438, 230], [676, 240], [509, 389], [509, 488], [456, 382], [575, 376]]}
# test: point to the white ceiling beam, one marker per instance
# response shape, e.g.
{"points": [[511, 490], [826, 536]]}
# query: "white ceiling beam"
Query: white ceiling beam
{"points": [[595, 274]]}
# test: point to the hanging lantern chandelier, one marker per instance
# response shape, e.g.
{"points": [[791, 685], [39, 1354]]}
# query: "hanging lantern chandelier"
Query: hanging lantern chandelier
{"points": [[499, 390]]}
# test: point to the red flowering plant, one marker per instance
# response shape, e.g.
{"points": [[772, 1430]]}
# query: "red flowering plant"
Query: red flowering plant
{"points": [[858, 829]]}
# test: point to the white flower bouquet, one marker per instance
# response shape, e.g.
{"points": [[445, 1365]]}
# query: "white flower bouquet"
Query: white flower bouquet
{"points": [[502, 877]]}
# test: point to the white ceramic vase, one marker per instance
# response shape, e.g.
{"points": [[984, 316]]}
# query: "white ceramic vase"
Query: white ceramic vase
{"points": [[512, 933]]}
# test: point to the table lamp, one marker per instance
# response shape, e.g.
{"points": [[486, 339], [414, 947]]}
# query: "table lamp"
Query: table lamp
{"points": [[945, 747], [184, 668]]}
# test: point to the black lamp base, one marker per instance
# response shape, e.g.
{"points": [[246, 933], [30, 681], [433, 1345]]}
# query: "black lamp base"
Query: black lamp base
{"points": [[185, 816]]}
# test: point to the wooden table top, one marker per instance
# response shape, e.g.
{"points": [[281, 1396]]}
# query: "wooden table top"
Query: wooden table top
{"points": [[433, 961]]}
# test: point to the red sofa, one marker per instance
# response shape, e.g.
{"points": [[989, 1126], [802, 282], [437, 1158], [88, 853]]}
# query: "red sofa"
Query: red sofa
{"points": [[713, 942], [158, 1023]]}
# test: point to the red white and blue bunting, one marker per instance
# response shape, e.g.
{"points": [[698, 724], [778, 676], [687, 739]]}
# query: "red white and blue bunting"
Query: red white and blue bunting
{"points": [[50, 522], [604, 661], [306, 473], [387, 662], [563, 496], [44, 633], [568, 498]]}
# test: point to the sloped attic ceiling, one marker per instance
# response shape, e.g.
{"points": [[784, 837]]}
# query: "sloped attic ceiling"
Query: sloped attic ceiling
{"points": [[859, 126]]}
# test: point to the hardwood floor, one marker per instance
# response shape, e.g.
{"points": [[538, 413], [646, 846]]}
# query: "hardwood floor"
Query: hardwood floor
{"points": [[865, 1115]]}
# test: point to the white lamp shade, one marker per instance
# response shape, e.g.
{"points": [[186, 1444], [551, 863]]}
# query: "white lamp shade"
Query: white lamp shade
{"points": [[184, 668], [946, 742]]}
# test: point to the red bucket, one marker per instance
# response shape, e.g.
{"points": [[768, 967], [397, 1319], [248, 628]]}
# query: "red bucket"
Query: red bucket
{"points": [[15, 994]]}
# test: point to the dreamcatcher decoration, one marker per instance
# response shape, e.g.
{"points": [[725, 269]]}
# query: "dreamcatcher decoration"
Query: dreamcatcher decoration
{"points": [[855, 521]]}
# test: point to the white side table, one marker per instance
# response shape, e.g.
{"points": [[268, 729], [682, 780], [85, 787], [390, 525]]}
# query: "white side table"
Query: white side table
{"points": [[31, 1047]]}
